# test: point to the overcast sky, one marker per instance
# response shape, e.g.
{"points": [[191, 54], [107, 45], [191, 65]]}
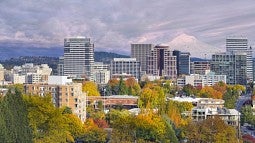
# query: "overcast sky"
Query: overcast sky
{"points": [[114, 24]]}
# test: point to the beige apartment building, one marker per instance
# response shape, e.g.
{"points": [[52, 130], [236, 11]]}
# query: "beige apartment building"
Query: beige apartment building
{"points": [[69, 95]]}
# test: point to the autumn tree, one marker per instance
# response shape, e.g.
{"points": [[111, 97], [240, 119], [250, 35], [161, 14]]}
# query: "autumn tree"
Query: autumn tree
{"points": [[90, 88], [174, 110], [152, 98], [210, 130], [92, 133], [132, 86], [210, 92], [112, 87]]}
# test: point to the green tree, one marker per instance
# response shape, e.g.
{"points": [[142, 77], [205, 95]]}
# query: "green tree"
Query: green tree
{"points": [[13, 118], [122, 88], [247, 115]]}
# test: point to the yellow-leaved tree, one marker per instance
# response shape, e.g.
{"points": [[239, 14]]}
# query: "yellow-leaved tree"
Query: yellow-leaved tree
{"points": [[91, 88]]}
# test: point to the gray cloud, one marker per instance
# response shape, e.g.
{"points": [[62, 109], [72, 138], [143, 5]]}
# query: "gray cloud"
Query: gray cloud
{"points": [[114, 24]]}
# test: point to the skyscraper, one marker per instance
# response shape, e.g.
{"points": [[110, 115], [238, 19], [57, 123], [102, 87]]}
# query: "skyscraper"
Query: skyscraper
{"points": [[183, 62], [161, 62], [78, 57], [140, 52], [240, 45]]}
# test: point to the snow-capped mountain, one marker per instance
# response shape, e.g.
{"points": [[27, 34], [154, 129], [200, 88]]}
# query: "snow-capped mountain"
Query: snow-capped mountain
{"points": [[187, 43]]}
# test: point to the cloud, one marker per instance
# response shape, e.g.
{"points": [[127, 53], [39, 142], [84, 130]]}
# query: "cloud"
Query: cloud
{"points": [[114, 24]]}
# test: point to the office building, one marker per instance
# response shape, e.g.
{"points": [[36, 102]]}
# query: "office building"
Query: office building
{"points": [[128, 66], [161, 62], [183, 62], [140, 52], [233, 65], [199, 67], [240, 45], [78, 57]]}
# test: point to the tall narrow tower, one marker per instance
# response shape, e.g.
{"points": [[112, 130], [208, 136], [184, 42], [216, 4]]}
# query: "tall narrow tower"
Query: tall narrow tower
{"points": [[78, 57]]}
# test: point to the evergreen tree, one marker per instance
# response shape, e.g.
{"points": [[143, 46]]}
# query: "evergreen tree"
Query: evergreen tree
{"points": [[122, 87], [13, 118]]}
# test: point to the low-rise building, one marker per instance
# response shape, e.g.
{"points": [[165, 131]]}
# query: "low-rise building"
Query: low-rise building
{"points": [[207, 79], [69, 95]]}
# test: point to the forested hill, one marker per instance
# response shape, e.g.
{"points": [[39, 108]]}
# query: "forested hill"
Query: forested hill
{"points": [[105, 57]]}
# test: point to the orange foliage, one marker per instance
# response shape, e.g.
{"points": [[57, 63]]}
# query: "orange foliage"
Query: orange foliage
{"points": [[209, 92]]}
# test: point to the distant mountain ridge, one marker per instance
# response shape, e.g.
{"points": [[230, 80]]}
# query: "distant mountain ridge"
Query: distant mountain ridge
{"points": [[104, 57]]}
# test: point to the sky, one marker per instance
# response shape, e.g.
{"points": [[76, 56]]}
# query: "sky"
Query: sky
{"points": [[114, 24]]}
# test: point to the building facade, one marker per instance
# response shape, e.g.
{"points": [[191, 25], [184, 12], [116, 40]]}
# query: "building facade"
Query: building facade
{"points": [[69, 95], [78, 57], [128, 66], [140, 52], [233, 65], [240, 45], [197, 80], [199, 67], [183, 62], [101, 73], [161, 62]]}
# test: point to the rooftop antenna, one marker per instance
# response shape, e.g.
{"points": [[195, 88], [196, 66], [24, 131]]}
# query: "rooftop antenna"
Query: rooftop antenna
{"points": [[205, 56]]}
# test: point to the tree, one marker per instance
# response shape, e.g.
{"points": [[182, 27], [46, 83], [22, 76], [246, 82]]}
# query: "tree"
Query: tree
{"points": [[112, 86], [92, 133], [210, 130], [47, 122], [247, 115], [122, 90], [188, 89], [13, 118], [209, 92], [132, 86], [152, 98], [91, 88]]}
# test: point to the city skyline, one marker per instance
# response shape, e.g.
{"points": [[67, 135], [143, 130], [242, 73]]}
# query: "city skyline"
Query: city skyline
{"points": [[114, 25]]}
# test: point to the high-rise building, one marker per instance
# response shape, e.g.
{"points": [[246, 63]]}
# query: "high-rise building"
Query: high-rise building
{"points": [[199, 67], [140, 52], [126, 66], [161, 62], [241, 45], [78, 57], [183, 62], [233, 65]]}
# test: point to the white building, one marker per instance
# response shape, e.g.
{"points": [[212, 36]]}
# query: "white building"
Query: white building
{"points": [[208, 79], [101, 73], [32, 73], [128, 66], [59, 80], [78, 57]]}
